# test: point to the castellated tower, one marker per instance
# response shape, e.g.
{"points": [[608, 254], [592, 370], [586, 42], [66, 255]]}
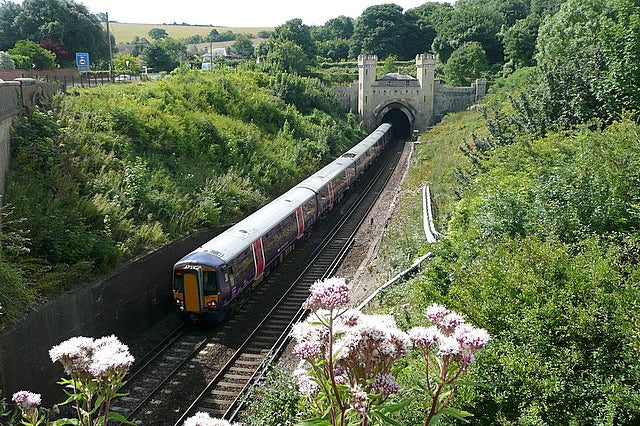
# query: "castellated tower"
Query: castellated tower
{"points": [[425, 65], [367, 66]]}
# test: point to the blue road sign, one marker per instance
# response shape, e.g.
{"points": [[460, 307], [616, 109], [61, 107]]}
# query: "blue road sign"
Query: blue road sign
{"points": [[82, 61]]}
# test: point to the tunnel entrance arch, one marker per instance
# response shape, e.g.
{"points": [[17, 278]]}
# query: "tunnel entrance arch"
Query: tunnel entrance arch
{"points": [[400, 115]]}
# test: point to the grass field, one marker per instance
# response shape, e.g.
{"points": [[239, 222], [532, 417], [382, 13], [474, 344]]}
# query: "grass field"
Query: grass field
{"points": [[125, 33]]}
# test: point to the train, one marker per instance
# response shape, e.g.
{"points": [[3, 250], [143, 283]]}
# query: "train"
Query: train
{"points": [[210, 279]]}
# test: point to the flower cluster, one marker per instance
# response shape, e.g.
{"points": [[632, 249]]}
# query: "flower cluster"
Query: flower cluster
{"points": [[349, 354], [97, 368], [27, 401], [84, 357], [204, 419], [451, 336], [329, 294]]}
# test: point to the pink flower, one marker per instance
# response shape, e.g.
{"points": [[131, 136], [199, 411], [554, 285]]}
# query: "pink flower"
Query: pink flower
{"points": [[448, 346], [425, 337], [472, 337], [306, 386], [308, 350], [204, 419], [359, 400], [74, 354], [385, 384], [27, 401], [436, 312], [328, 294], [450, 321]]}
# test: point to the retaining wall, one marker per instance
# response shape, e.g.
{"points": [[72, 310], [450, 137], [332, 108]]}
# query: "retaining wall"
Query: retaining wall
{"points": [[125, 303]]}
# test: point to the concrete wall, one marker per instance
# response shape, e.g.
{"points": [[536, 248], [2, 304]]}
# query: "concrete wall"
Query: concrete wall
{"points": [[125, 303], [15, 97]]}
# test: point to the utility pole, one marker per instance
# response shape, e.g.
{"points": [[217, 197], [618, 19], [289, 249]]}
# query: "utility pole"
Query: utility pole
{"points": [[110, 49]]}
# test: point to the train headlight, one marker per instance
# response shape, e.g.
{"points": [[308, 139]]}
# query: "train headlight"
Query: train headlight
{"points": [[212, 304], [180, 303]]}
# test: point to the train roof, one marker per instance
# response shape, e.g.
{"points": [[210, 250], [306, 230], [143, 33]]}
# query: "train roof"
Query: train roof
{"points": [[326, 174], [236, 239]]}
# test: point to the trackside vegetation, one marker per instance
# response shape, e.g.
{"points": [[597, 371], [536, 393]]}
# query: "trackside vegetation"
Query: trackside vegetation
{"points": [[113, 171], [537, 191]]}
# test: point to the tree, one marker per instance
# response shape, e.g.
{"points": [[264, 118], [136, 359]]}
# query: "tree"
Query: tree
{"points": [[63, 56], [336, 28], [470, 21], [295, 31], [126, 63], [64, 22], [287, 56], [379, 30], [467, 63], [41, 58], [589, 59], [243, 46], [6, 63], [158, 33], [520, 41], [158, 58]]}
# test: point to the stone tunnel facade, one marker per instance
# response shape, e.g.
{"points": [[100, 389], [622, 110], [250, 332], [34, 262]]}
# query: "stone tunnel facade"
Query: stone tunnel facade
{"points": [[411, 103]]}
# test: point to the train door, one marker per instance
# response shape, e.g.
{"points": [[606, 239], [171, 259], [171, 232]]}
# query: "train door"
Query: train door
{"points": [[258, 257], [300, 220], [192, 281]]}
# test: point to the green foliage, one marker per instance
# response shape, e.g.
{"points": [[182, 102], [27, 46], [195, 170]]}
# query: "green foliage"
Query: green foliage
{"points": [[126, 64], [467, 63], [37, 56], [276, 401], [67, 23], [6, 63], [118, 170], [588, 59], [158, 33]]}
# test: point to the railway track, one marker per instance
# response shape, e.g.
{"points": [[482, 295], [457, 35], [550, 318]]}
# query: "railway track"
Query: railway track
{"points": [[209, 370]]}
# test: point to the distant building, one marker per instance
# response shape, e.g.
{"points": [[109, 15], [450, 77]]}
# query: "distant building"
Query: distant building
{"points": [[218, 52], [411, 103]]}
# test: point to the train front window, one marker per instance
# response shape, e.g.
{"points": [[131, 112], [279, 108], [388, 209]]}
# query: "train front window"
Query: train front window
{"points": [[178, 281], [210, 282]]}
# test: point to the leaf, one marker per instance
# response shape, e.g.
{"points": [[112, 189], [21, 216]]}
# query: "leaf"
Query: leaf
{"points": [[61, 422], [119, 417], [455, 413]]}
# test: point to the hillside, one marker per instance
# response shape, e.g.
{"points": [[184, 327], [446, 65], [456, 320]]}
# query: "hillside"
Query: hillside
{"points": [[126, 32]]}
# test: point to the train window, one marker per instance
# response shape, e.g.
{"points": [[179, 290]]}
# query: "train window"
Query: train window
{"points": [[277, 237], [244, 267], [210, 282], [178, 281]]}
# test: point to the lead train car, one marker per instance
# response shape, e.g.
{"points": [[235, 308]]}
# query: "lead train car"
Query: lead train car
{"points": [[208, 280]]}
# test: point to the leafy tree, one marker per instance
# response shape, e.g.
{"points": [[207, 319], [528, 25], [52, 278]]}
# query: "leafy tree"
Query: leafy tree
{"points": [[300, 34], [65, 22], [380, 30], [63, 56], [470, 21], [158, 58], [425, 19], [41, 58], [158, 33], [6, 63], [243, 46], [126, 63], [520, 41], [8, 29], [467, 63], [336, 28], [287, 56], [336, 49], [588, 55]]}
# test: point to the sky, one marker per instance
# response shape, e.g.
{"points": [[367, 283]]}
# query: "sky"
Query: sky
{"points": [[230, 13]]}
